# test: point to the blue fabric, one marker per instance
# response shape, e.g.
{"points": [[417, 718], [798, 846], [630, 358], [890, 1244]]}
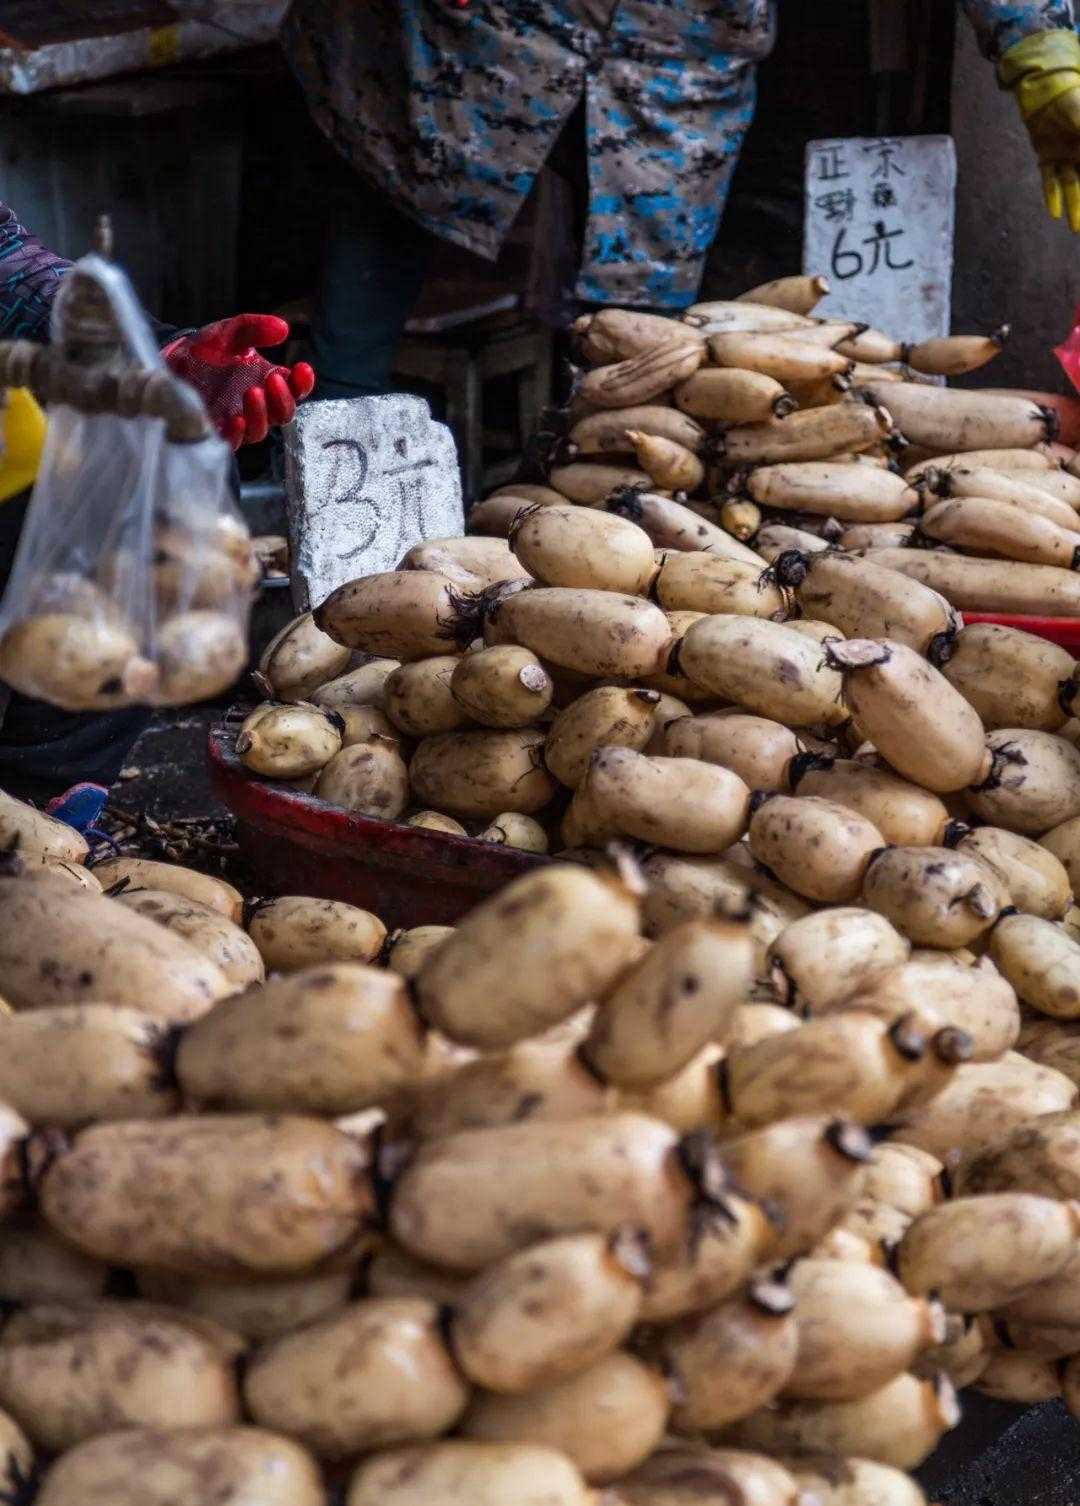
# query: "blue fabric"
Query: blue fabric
{"points": [[453, 112], [80, 806], [1000, 24]]}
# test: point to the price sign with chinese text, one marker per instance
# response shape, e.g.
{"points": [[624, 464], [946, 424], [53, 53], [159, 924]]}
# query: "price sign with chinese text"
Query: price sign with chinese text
{"points": [[366, 478], [879, 226]]}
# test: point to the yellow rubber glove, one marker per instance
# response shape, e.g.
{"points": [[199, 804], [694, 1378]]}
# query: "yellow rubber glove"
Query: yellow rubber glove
{"points": [[1043, 73], [22, 438]]}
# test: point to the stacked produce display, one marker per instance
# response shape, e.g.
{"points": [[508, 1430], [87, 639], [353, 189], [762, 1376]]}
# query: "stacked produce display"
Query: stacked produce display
{"points": [[661, 1181], [707, 1165], [726, 506]]}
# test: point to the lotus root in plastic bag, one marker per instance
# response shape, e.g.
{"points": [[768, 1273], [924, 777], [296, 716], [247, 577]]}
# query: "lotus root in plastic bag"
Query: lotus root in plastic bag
{"points": [[133, 578]]}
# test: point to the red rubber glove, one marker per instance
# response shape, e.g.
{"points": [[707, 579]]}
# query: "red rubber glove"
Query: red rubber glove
{"points": [[244, 393]]}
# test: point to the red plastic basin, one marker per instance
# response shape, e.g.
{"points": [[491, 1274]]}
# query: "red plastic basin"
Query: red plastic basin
{"points": [[1062, 630], [297, 844]]}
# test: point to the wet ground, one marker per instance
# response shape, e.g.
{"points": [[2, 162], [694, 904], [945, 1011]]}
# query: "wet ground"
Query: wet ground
{"points": [[163, 804], [1002, 1455], [166, 774]]}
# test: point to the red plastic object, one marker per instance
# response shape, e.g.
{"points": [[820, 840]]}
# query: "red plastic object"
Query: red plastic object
{"points": [[1068, 353], [299, 845], [1062, 630]]}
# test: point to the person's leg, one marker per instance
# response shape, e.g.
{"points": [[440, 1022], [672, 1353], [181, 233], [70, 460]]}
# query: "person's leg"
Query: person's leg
{"points": [[43, 751], [372, 272]]}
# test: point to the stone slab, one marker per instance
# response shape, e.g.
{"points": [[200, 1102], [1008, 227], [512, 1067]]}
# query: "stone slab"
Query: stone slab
{"points": [[365, 479]]}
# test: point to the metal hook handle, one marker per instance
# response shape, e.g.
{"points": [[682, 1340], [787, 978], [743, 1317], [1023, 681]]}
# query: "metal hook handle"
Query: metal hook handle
{"points": [[130, 393], [102, 240]]}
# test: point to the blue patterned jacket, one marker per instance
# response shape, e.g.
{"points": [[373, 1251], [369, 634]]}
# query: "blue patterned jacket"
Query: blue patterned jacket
{"points": [[29, 277], [453, 111]]}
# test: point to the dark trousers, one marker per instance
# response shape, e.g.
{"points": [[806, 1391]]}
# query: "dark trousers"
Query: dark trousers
{"points": [[373, 266], [43, 750], [374, 260]]}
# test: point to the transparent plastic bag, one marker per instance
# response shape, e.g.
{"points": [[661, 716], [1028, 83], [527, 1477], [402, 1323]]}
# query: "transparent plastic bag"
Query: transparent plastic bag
{"points": [[133, 578]]}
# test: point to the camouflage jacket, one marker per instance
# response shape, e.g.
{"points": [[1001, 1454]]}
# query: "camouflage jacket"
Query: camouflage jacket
{"points": [[452, 112]]}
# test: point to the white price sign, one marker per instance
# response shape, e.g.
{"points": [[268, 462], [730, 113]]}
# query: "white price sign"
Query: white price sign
{"points": [[366, 478], [879, 226]]}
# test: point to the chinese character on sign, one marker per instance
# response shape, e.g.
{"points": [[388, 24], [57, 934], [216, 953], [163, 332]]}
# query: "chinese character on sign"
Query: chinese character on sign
{"points": [[882, 238], [879, 225], [365, 479], [886, 153], [846, 262], [831, 165], [837, 205]]}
